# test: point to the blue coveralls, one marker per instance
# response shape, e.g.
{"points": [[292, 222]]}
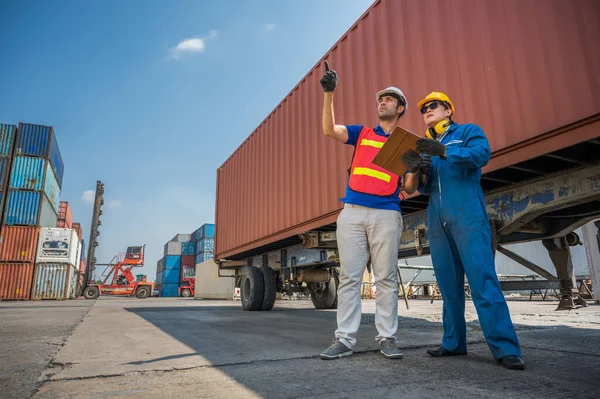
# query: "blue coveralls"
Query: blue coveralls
{"points": [[460, 240]]}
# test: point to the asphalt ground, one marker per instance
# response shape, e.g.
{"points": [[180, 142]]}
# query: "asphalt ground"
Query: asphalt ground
{"points": [[175, 347]]}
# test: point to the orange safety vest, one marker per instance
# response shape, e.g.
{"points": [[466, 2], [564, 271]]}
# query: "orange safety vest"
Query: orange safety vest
{"points": [[365, 176]]}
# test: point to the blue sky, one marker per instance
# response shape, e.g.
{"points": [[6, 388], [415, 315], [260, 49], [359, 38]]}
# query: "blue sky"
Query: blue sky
{"points": [[151, 97]]}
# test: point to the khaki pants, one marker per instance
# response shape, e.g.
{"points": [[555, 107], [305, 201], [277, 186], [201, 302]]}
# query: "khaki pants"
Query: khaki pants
{"points": [[364, 232]]}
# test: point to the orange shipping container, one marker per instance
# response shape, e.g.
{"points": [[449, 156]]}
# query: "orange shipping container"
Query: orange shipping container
{"points": [[15, 280], [525, 71], [19, 243], [65, 217]]}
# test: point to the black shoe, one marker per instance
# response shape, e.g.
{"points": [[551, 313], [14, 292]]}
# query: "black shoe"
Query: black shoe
{"points": [[443, 352], [513, 362]]}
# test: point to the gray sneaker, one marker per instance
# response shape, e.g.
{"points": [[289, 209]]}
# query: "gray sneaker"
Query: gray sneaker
{"points": [[387, 347], [336, 350]]}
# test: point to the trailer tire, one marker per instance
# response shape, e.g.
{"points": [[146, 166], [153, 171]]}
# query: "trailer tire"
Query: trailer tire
{"points": [[142, 292], [336, 277], [270, 284], [327, 297], [252, 288], [91, 292], [186, 293]]}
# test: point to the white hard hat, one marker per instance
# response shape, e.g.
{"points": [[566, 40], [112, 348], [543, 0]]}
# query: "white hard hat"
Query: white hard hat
{"points": [[396, 91]]}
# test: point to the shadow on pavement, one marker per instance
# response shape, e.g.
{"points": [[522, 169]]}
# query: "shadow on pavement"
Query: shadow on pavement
{"points": [[282, 347]]}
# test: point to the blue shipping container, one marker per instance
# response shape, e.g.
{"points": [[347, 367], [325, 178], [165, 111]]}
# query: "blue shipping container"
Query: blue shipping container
{"points": [[4, 172], [196, 235], [172, 262], [24, 209], [7, 135], [207, 230], [27, 173], [51, 188], [204, 256], [33, 140], [206, 245], [56, 160], [170, 276], [169, 290], [187, 248]]}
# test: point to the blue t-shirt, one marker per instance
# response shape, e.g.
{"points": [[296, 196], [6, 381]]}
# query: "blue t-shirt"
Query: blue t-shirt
{"points": [[391, 202]]}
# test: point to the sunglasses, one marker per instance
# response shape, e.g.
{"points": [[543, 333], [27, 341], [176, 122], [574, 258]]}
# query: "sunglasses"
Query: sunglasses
{"points": [[433, 105]]}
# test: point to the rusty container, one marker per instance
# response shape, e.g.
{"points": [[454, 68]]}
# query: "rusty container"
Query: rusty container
{"points": [[18, 243], [15, 280], [525, 71], [54, 281]]}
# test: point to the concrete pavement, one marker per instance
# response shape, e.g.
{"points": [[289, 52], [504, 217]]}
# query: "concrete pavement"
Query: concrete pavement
{"points": [[187, 348], [30, 335]]}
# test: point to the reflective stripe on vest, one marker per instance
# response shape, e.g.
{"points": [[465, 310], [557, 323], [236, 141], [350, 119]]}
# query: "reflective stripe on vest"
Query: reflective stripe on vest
{"points": [[366, 177]]}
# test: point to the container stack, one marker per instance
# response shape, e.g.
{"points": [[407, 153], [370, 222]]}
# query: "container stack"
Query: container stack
{"points": [[31, 180], [56, 265], [159, 269], [169, 267], [36, 178], [204, 239]]}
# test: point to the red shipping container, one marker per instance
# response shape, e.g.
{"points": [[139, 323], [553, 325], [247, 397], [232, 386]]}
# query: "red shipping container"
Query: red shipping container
{"points": [[188, 261], [82, 266], [15, 280], [19, 243], [501, 63], [65, 215], [77, 228], [188, 267]]}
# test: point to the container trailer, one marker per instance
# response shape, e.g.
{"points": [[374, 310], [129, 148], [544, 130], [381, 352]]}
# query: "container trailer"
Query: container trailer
{"points": [[526, 72]]}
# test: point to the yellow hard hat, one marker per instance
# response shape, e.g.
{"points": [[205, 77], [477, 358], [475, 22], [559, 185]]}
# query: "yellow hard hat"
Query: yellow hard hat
{"points": [[436, 96]]}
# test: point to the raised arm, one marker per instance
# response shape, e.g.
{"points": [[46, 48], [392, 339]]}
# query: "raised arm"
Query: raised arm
{"points": [[329, 83]]}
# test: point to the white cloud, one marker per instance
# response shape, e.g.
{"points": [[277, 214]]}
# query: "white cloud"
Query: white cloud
{"points": [[270, 27], [88, 197], [192, 45]]}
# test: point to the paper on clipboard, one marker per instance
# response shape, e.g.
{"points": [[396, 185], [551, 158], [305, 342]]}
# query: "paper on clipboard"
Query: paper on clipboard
{"points": [[389, 156]]}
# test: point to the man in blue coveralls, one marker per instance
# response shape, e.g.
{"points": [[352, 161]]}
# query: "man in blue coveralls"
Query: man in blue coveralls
{"points": [[459, 231]]}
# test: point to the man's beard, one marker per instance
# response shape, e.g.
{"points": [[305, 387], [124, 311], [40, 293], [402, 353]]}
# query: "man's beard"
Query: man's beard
{"points": [[388, 116]]}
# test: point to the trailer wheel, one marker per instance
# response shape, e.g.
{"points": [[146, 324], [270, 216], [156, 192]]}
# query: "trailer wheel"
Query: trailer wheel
{"points": [[186, 293], [324, 297], [142, 292], [91, 292], [270, 288], [252, 288], [336, 277]]}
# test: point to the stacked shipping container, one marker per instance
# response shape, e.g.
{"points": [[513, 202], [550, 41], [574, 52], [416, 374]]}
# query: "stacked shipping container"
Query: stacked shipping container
{"points": [[204, 239], [31, 171], [34, 185], [177, 253], [181, 254]]}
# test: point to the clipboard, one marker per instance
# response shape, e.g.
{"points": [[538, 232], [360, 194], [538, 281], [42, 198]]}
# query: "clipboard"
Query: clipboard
{"points": [[389, 156]]}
